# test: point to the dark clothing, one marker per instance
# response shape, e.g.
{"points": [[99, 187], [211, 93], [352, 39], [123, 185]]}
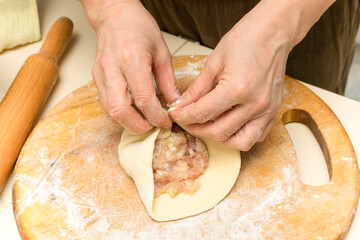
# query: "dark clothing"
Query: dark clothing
{"points": [[322, 58]]}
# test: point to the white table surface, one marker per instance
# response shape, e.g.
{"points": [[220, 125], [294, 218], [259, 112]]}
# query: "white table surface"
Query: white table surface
{"points": [[75, 71]]}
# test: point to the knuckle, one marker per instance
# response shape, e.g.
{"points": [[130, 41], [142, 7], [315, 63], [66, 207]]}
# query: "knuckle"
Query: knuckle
{"points": [[263, 103], [128, 54], [220, 134], [240, 90], [261, 139], [113, 120], [191, 91], [244, 85], [143, 101], [244, 143], [263, 136], [111, 117], [200, 115], [245, 147], [105, 62], [211, 64], [117, 112], [164, 56], [132, 53]]}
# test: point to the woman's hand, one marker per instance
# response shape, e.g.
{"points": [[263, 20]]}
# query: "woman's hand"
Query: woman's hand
{"points": [[235, 98], [130, 47]]}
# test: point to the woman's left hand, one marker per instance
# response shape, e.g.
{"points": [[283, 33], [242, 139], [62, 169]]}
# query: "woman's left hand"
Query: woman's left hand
{"points": [[236, 96]]}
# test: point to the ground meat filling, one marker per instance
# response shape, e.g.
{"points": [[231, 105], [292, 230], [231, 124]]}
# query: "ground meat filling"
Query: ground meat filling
{"points": [[178, 160]]}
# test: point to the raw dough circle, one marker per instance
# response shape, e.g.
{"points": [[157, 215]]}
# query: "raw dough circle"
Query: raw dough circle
{"points": [[136, 154]]}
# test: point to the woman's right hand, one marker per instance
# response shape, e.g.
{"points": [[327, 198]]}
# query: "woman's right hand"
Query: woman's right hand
{"points": [[130, 47]]}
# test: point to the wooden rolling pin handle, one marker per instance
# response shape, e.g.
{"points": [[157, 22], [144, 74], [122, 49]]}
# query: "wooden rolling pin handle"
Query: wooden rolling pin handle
{"points": [[28, 93], [57, 38]]}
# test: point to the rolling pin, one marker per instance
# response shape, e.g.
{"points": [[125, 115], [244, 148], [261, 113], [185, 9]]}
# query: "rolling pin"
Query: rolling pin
{"points": [[28, 93]]}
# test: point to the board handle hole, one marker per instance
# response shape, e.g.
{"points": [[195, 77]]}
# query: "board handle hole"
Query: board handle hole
{"points": [[312, 154]]}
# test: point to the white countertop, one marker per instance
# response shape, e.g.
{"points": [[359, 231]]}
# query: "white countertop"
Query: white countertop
{"points": [[75, 70]]}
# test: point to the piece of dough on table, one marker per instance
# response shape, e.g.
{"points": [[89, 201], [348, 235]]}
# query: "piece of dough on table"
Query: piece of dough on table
{"points": [[136, 155]]}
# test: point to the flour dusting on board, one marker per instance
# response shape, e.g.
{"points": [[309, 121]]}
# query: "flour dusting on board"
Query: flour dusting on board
{"points": [[189, 70], [244, 217], [347, 159]]}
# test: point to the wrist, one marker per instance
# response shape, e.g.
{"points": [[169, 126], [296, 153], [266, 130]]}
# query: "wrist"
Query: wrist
{"points": [[98, 11], [292, 19]]}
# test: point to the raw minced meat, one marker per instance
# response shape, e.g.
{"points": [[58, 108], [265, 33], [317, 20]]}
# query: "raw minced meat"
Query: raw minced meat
{"points": [[178, 160]]}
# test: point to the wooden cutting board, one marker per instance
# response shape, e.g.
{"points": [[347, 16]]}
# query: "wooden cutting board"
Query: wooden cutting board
{"points": [[69, 183]]}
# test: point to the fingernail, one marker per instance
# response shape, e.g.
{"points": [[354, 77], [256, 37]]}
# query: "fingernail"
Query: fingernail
{"points": [[173, 103]]}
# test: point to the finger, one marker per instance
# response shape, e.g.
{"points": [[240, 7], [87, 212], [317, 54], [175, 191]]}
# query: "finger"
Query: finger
{"points": [[98, 78], [203, 84], [119, 107], [140, 81], [164, 76], [208, 107], [224, 126], [248, 135], [267, 130]]}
